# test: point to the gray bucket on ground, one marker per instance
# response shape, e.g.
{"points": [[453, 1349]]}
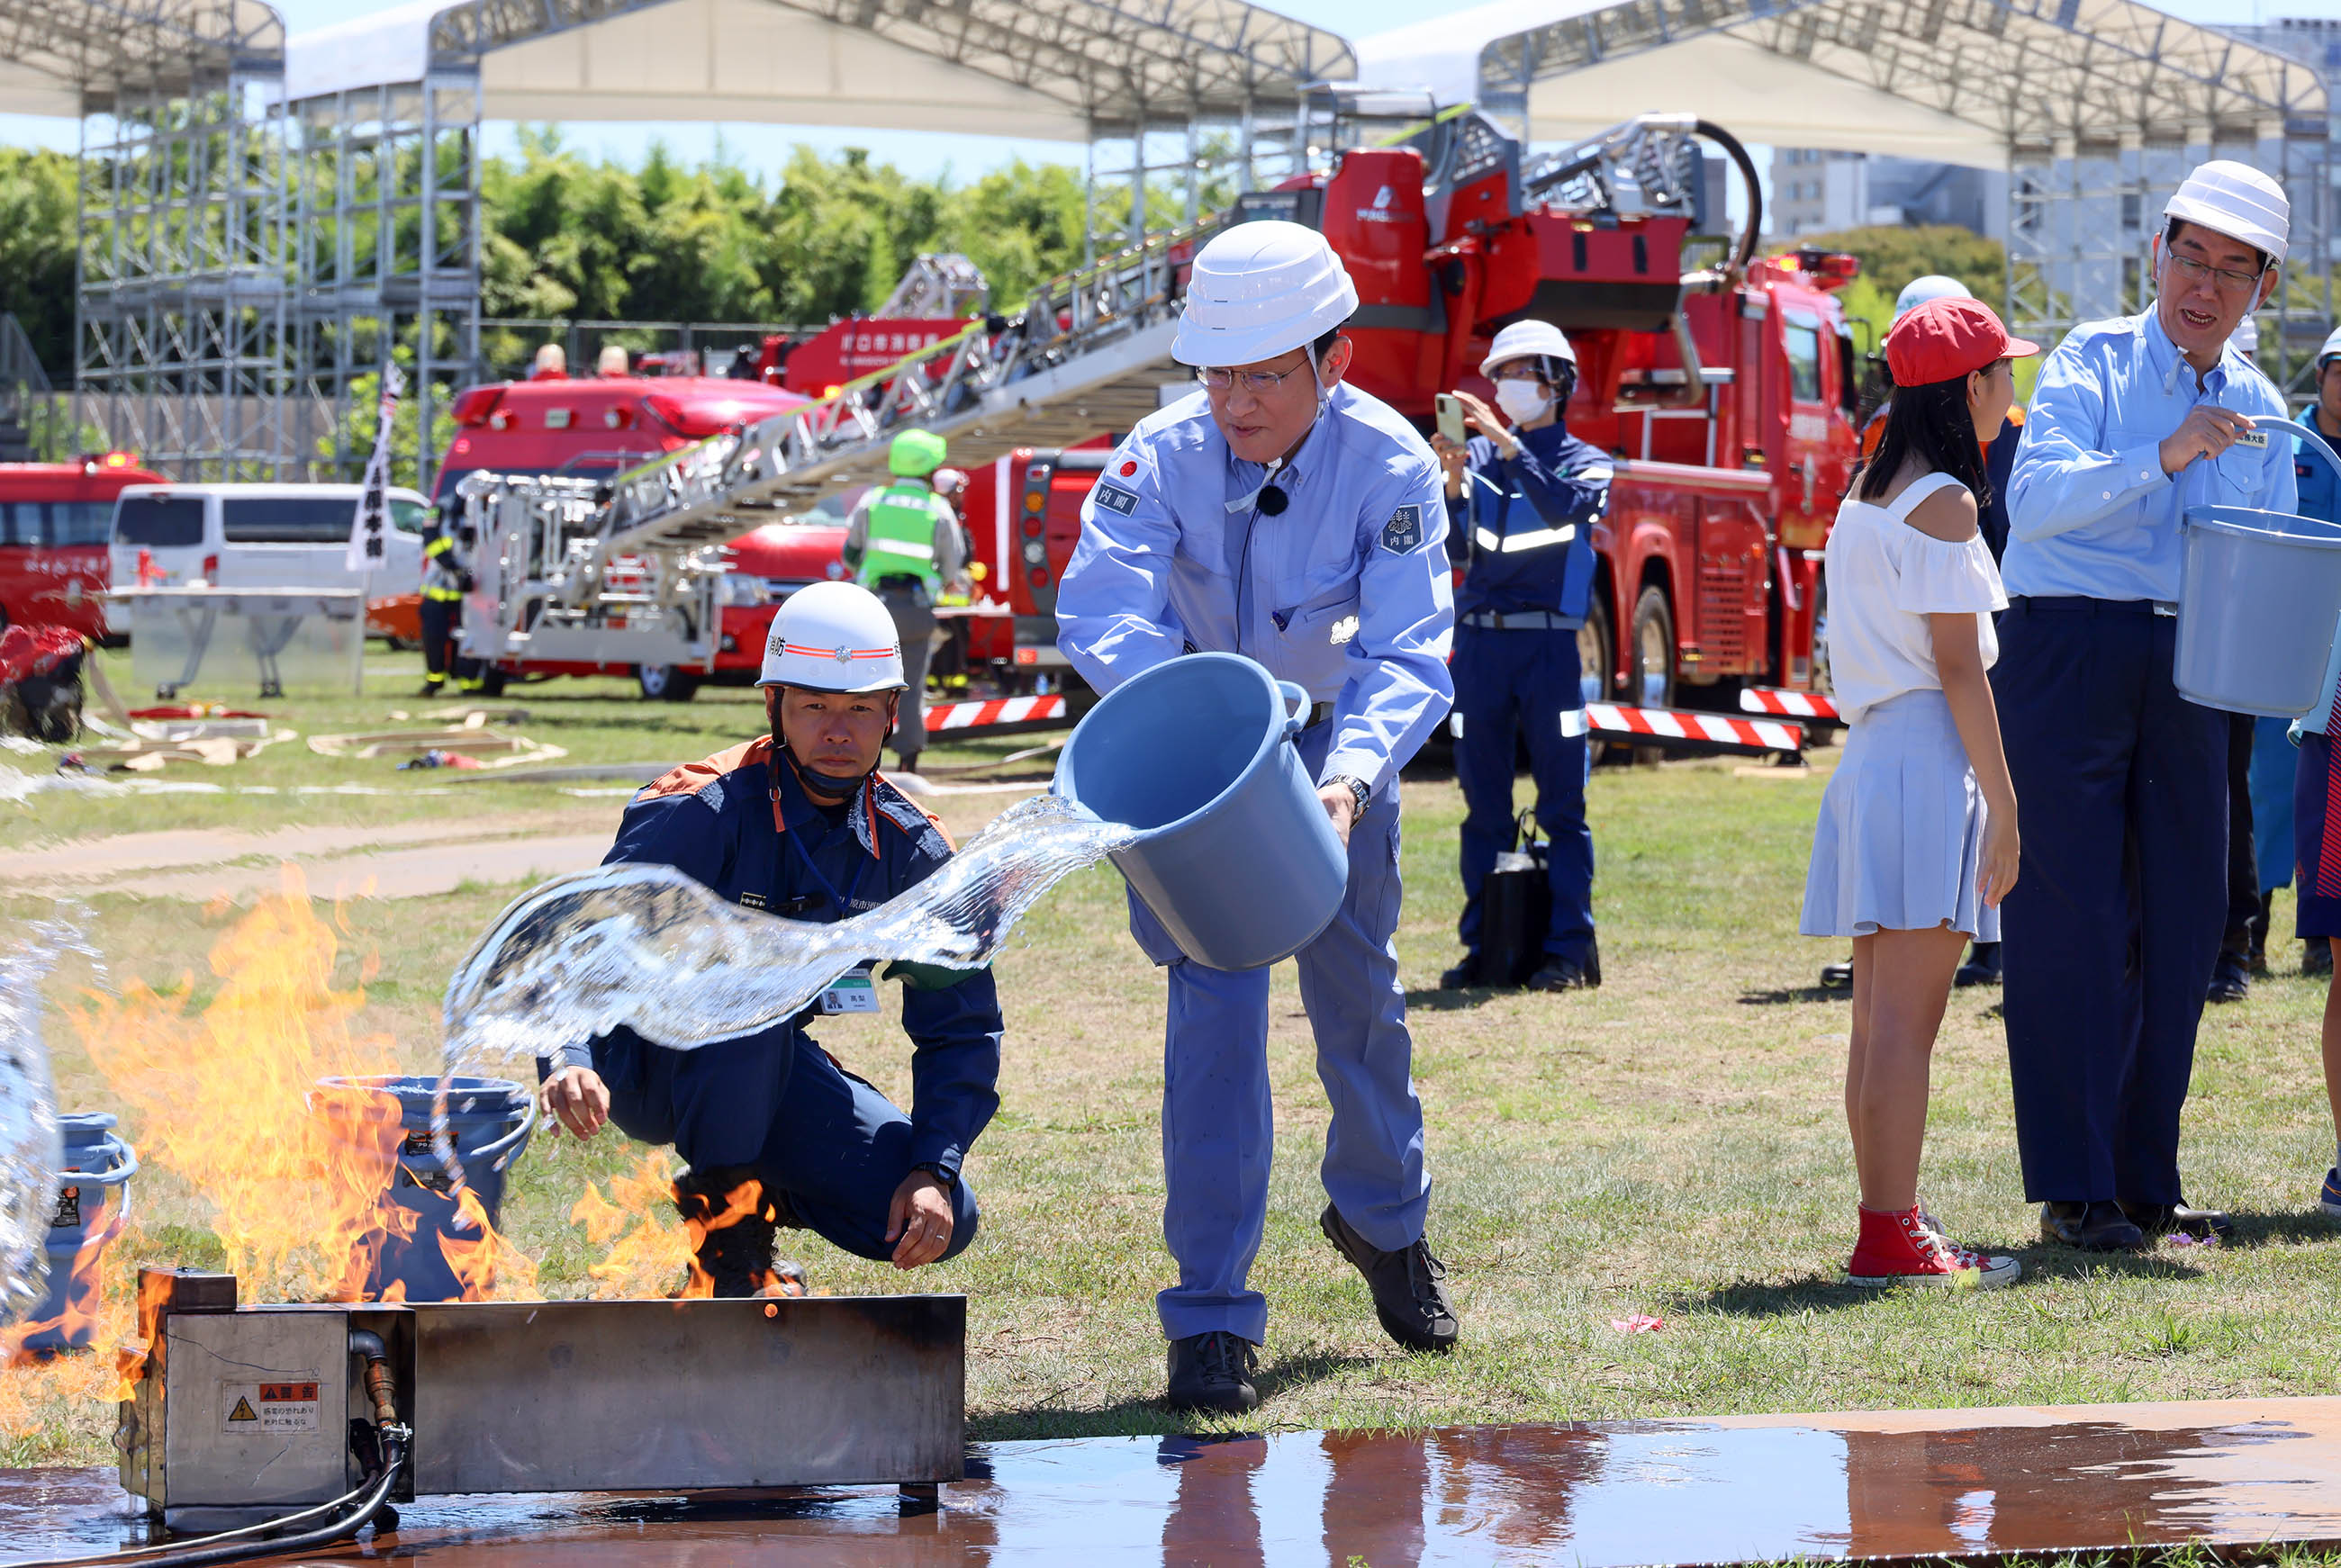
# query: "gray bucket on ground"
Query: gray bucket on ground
{"points": [[1239, 860], [2259, 593], [93, 1205]]}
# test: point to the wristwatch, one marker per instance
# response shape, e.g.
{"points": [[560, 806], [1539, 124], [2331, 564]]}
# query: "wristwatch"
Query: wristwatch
{"points": [[1359, 792], [949, 1178]]}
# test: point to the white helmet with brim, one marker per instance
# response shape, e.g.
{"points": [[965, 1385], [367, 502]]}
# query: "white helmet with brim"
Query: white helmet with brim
{"points": [[1259, 290], [2237, 201], [1932, 286], [1527, 340], [835, 636]]}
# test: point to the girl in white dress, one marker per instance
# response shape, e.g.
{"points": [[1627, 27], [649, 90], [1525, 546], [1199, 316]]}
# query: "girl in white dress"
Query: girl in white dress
{"points": [[1917, 842]]}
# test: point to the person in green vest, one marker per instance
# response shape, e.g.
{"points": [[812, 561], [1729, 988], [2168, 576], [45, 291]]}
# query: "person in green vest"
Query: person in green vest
{"points": [[903, 543]]}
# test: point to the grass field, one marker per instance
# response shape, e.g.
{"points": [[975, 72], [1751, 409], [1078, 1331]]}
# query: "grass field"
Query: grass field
{"points": [[1671, 1145]]}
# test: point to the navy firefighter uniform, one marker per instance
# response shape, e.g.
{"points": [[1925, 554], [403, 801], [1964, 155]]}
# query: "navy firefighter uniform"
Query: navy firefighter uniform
{"points": [[1341, 586], [2110, 934], [774, 1104], [1526, 534]]}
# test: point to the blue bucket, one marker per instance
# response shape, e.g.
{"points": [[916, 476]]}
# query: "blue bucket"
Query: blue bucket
{"points": [[93, 1205], [2259, 593], [1239, 860], [490, 1120]]}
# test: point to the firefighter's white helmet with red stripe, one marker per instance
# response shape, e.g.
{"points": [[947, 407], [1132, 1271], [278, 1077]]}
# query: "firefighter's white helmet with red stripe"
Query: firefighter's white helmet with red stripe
{"points": [[834, 636]]}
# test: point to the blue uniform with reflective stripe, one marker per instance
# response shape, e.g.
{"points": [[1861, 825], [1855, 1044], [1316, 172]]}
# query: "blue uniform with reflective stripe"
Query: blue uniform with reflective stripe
{"points": [[774, 1101], [1346, 593], [2110, 934], [1526, 533]]}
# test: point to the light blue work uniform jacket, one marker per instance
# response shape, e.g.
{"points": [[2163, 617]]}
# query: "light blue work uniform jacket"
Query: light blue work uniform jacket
{"points": [[1347, 593], [2090, 513]]}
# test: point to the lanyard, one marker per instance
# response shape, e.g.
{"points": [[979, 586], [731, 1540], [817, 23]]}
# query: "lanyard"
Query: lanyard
{"points": [[826, 886]]}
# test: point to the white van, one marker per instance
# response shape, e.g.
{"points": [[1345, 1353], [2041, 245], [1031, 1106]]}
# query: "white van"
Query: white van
{"points": [[258, 536]]}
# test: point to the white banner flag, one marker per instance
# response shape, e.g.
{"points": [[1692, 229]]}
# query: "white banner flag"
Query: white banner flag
{"points": [[370, 530]]}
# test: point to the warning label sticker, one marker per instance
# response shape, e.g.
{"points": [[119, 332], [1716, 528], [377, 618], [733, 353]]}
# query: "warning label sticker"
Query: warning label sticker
{"points": [[250, 1407]]}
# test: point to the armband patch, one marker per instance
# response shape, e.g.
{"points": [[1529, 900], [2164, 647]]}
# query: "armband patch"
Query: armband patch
{"points": [[1113, 498], [1403, 532]]}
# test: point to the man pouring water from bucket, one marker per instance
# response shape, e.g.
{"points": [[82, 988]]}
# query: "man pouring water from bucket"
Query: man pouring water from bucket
{"points": [[2111, 932], [1283, 515]]}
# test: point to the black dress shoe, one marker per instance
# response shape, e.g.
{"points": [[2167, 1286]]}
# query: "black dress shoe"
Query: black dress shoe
{"points": [[1562, 974], [2157, 1220], [2316, 957], [1462, 976], [2099, 1226], [1837, 977], [1212, 1372], [2230, 980]]}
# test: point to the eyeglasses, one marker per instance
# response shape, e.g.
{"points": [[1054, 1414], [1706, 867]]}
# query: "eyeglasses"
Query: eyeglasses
{"points": [[1260, 383], [2227, 278]]}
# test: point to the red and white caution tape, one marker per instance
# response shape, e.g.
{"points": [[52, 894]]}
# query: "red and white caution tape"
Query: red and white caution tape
{"points": [[1809, 705], [1700, 731], [997, 711]]}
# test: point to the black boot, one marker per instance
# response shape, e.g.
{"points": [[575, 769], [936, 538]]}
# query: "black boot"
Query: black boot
{"points": [[1212, 1372], [2316, 957], [1982, 967], [737, 1256], [1408, 1286]]}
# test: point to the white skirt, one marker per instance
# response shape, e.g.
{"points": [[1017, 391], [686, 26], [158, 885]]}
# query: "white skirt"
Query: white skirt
{"points": [[1900, 835]]}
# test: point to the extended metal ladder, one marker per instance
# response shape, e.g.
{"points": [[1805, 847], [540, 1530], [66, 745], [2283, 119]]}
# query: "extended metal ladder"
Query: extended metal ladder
{"points": [[1092, 351]]}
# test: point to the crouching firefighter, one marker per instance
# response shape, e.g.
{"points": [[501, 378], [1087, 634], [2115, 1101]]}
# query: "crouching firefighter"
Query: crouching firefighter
{"points": [[1524, 497], [798, 823]]}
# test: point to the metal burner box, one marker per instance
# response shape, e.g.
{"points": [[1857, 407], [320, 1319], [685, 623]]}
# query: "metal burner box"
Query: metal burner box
{"points": [[243, 1414]]}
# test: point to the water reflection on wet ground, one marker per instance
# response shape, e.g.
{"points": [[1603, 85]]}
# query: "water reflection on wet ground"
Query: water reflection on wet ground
{"points": [[1904, 1485]]}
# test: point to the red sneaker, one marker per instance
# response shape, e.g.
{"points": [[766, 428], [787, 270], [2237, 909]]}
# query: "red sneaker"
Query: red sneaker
{"points": [[1903, 1248]]}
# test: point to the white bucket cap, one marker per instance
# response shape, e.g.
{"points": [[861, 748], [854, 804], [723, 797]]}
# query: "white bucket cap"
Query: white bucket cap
{"points": [[1527, 340], [1259, 290], [2332, 349], [2237, 201], [834, 636], [1933, 286]]}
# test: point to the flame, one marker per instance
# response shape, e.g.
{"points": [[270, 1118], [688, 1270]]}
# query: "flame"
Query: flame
{"points": [[648, 1246]]}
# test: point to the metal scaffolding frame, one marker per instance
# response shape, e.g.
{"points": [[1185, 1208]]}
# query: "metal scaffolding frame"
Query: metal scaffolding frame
{"points": [[2101, 105], [180, 347], [387, 218]]}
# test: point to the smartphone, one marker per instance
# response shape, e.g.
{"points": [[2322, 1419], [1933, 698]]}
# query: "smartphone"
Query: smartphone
{"points": [[1449, 409]]}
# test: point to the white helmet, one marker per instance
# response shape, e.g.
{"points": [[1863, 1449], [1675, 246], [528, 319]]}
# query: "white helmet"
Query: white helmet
{"points": [[2237, 201], [1527, 340], [1933, 286], [834, 636], [2332, 349], [1259, 290], [948, 481], [2247, 336]]}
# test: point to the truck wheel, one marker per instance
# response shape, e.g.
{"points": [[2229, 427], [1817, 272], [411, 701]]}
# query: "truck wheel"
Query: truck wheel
{"points": [[1650, 656], [1597, 651], [665, 683]]}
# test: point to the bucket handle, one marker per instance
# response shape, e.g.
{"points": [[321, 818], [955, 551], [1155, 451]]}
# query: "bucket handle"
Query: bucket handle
{"points": [[125, 1165], [496, 1153], [1297, 719], [2309, 440]]}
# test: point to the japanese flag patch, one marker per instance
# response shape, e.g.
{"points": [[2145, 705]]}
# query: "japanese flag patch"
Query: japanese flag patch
{"points": [[1403, 532]]}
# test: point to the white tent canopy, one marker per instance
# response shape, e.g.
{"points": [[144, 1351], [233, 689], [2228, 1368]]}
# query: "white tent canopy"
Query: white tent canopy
{"points": [[1051, 68], [71, 58], [1954, 81]]}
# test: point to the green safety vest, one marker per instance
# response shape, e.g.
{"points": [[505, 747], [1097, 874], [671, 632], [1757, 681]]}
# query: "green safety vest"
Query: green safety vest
{"points": [[902, 523]]}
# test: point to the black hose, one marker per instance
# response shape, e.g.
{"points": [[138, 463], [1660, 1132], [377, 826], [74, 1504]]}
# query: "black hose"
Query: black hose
{"points": [[259, 1540], [1739, 154]]}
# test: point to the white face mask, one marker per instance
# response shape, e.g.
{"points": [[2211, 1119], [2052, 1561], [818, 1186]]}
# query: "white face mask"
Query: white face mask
{"points": [[1522, 401]]}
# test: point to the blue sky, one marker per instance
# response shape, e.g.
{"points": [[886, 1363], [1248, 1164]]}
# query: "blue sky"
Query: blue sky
{"points": [[964, 157]]}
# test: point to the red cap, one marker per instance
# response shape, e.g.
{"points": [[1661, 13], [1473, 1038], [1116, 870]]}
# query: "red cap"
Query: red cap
{"points": [[1943, 340]]}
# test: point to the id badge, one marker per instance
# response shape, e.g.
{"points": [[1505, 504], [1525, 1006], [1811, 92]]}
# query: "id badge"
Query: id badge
{"points": [[850, 992]]}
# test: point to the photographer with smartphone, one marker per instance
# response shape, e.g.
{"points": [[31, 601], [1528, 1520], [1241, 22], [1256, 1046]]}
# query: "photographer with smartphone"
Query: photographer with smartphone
{"points": [[1522, 495]]}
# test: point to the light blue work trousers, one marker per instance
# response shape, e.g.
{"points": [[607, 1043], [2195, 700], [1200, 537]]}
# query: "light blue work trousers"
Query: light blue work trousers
{"points": [[1217, 1127]]}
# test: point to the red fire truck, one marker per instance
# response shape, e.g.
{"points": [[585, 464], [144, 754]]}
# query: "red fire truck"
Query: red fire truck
{"points": [[55, 520]]}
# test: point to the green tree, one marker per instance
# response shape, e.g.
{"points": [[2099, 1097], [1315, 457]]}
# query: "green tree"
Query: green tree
{"points": [[37, 217], [1892, 256]]}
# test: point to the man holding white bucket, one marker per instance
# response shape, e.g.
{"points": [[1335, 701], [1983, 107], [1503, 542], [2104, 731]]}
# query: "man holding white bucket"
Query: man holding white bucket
{"points": [[2110, 934], [1280, 515]]}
